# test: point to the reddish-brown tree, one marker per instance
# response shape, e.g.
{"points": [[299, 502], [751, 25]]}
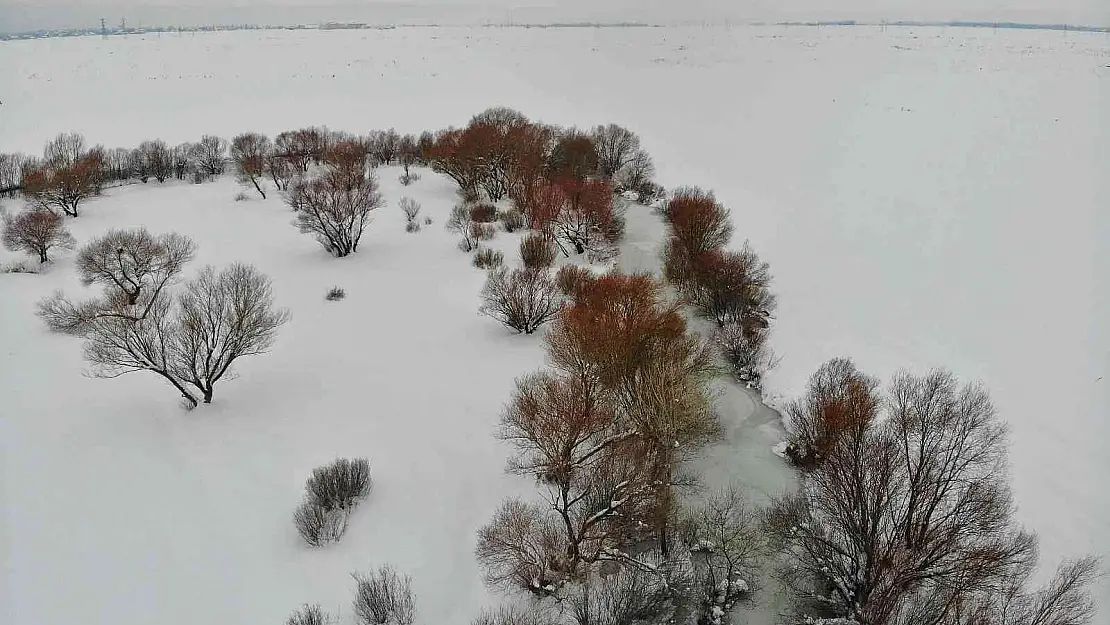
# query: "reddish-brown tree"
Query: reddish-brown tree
{"points": [[36, 232], [61, 186], [249, 152], [732, 287]]}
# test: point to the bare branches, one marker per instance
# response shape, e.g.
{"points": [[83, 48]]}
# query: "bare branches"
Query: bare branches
{"points": [[134, 261], [36, 232], [522, 299], [223, 317], [384, 597], [249, 153], [208, 155], [909, 518], [335, 207]]}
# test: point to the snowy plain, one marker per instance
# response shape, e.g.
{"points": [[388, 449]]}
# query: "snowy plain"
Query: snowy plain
{"points": [[926, 197]]}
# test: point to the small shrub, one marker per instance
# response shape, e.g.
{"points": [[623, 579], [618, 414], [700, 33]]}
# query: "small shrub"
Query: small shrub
{"points": [[410, 207], [384, 598], [18, 266], [241, 197], [523, 299], [488, 259], [317, 525], [513, 220], [412, 227], [483, 231], [335, 294], [483, 213], [570, 278], [339, 485], [409, 178], [309, 615], [427, 221], [537, 251]]}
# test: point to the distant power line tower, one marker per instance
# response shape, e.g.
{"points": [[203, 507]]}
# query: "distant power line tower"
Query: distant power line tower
{"points": [[103, 29]]}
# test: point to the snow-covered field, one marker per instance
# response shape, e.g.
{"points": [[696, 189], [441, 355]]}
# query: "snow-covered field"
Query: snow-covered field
{"points": [[925, 197]]}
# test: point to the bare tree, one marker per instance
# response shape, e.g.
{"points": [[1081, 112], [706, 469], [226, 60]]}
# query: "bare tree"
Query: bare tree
{"points": [[36, 232], [58, 185], [132, 261], [65, 150], [335, 207], [10, 173], [155, 159], [637, 175], [191, 342], [908, 518], [208, 154], [223, 317], [183, 160], [616, 147], [521, 547], [726, 540], [249, 152], [461, 222], [522, 299], [732, 287], [384, 598]]}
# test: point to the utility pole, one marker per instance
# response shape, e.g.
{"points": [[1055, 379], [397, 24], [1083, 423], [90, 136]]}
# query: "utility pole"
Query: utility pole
{"points": [[103, 29]]}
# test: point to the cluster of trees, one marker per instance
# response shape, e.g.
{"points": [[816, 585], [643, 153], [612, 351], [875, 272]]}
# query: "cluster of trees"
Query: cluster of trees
{"points": [[191, 337], [604, 433], [905, 514], [560, 181], [731, 287]]}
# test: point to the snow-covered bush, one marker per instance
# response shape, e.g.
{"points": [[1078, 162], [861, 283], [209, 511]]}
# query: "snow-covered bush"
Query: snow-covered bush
{"points": [[570, 278], [746, 353], [513, 220], [410, 207], [408, 178], [522, 299], [412, 227], [537, 251], [309, 615], [487, 258], [318, 525], [339, 485], [384, 597], [335, 294]]}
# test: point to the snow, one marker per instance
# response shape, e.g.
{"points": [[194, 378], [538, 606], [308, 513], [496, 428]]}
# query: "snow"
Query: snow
{"points": [[926, 197]]}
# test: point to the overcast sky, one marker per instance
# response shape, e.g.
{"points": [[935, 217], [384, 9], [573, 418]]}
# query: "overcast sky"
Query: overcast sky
{"points": [[17, 15]]}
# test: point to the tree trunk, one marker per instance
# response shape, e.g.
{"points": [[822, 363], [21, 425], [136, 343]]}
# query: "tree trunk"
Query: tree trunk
{"points": [[208, 395], [42, 256], [259, 188]]}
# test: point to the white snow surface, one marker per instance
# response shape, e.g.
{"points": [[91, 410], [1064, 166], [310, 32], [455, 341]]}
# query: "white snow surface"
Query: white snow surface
{"points": [[926, 197]]}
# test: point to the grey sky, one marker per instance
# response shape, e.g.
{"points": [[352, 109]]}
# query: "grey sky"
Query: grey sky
{"points": [[16, 15]]}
